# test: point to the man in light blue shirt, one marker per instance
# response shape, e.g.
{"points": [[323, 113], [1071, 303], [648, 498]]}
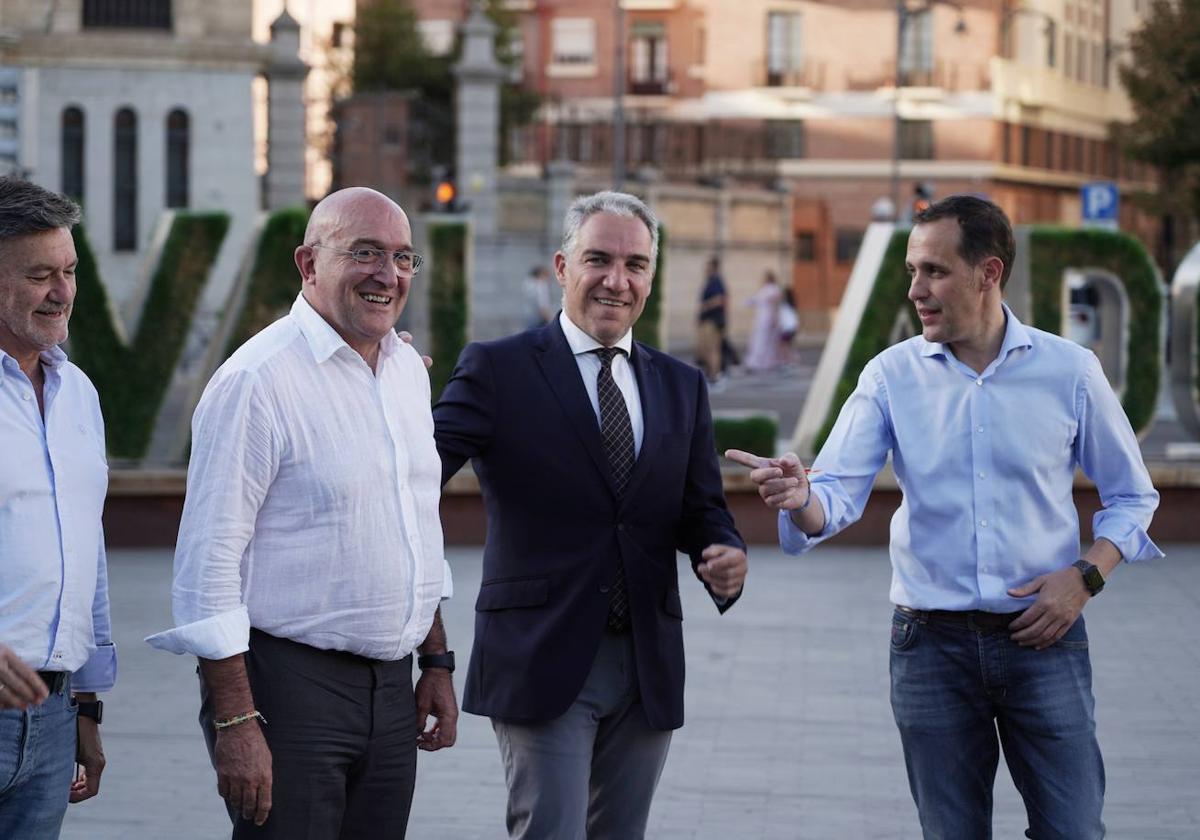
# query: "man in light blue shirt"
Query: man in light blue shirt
{"points": [[986, 420], [55, 647]]}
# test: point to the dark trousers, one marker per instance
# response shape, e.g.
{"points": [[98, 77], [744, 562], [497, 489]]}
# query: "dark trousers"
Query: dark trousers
{"points": [[343, 736]]}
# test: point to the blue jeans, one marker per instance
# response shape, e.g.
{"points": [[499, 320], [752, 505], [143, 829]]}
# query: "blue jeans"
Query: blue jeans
{"points": [[37, 763], [960, 693]]}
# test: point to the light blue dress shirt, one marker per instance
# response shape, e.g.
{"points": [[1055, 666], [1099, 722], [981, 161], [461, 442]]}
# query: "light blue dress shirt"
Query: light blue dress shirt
{"points": [[53, 479], [986, 464]]}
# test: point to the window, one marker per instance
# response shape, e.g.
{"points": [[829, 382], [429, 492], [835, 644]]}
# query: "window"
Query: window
{"points": [[1026, 144], [125, 180], [178, 149], [339, 35], [916, 59], [127, 14], [806, 246], [783, 48], [648, 57], [573, 41], [916, 140], [72, 153], [846, 244], [1048, 153], [785, 139]]}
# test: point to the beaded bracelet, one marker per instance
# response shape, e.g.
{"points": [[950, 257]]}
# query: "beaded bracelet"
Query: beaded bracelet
{"points": [[237, 719]]}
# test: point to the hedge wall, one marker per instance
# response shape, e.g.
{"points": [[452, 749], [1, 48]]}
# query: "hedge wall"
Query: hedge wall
{"points": [[1053, 250], [274, 281], [646, 329], [447, 300], [132, 379], [756, 434]]}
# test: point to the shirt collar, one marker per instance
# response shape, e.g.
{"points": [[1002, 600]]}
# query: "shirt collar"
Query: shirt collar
{"points": [[53, 359], [1016, 335], [580, 342], [323, 340]]}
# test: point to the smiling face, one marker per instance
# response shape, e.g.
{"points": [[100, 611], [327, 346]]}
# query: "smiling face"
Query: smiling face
{"points": [[958, 303], [37, 292], [361, 302], [606, 278]]}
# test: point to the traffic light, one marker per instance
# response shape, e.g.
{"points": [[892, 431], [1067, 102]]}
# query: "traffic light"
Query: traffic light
{"points": [[444, 194], [922, 198]]}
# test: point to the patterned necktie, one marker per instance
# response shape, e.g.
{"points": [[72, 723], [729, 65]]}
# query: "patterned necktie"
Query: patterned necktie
{"points": [[617, 432]]}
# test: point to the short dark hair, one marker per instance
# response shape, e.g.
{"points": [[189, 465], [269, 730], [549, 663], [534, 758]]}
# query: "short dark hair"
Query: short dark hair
{"points": [[984, 229], [27, 208]]}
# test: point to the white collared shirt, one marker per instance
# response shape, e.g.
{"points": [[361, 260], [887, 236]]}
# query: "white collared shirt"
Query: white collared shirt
{"points": [[312, 500], [53, 479], [582, 345]]}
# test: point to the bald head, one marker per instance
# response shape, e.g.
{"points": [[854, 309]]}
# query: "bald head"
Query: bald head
{"points": [[349, 210]]}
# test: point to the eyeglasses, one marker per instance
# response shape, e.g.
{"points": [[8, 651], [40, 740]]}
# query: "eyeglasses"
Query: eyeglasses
{"points": [[404, 261]]}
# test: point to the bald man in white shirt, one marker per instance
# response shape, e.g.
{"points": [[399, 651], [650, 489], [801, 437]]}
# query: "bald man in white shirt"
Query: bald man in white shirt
{"points": [[310, 561]]}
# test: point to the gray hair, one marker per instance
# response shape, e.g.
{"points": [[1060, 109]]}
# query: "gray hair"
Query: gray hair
{"points": [[27, 208], [617, 203]]}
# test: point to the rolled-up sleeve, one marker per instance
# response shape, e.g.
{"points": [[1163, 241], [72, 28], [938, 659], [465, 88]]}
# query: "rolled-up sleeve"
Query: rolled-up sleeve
{"points": [[234, 460], [99, 673], [1108, 452]]}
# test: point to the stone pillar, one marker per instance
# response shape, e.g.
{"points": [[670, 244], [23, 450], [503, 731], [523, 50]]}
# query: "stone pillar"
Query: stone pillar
{"points": [[560, 192], [495, 288], [286, 128]]}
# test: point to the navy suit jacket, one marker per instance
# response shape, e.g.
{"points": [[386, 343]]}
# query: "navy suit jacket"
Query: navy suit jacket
{"points": [[555, 526]]}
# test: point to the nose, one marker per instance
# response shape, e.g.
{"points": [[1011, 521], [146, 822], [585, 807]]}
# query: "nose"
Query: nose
{"points": [[916, 288]]}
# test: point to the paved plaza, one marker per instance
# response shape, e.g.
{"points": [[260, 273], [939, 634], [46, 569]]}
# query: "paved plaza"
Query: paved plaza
{"points": [[789, 732]]}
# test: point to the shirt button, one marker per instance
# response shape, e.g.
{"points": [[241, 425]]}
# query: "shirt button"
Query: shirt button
{"points": [[982, 523], [979, 429], [983, 475], [979, 381], [26, 397]]}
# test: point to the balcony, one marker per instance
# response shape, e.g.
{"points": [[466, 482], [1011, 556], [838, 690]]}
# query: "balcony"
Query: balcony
{"points": [[127, 14]]}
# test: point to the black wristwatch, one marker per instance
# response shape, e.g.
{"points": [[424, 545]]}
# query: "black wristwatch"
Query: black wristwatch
{"points": [[1092, 579], [93, 709], [436, 660]]}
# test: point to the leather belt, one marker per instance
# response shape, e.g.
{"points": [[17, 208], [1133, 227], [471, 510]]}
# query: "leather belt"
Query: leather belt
{"points": [[55, 680], [974, 619]]}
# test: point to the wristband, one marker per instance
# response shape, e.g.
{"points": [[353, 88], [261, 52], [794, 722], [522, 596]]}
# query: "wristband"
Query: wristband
{"points": [[238, 719], [436, 660], [807, 502]]}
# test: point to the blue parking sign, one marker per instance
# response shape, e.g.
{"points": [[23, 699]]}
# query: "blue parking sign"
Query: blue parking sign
{"points": [[1099, 202]]}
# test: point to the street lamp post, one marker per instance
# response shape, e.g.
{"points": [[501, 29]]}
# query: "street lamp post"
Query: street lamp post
{"points": [[618, 122], [903, 13]]}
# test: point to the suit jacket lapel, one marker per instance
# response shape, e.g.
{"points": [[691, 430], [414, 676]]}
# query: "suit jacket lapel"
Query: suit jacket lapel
{"points": [[561, 371], [650, 391]]}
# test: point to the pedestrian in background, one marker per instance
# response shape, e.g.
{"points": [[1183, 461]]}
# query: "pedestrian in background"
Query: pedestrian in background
{"points": [[710, 327], [762, 354]]}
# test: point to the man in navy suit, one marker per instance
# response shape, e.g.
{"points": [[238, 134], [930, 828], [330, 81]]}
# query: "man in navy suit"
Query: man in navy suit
{"points": [[596, 459]]}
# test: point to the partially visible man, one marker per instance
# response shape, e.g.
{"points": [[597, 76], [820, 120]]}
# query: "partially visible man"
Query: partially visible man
{"points": [[986, 420], [56, 650], [710, 327], [310, 561], [596, 458]]}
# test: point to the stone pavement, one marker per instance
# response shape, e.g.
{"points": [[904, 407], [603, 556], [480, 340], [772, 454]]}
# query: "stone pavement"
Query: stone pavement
{"points": [[789, 733]]}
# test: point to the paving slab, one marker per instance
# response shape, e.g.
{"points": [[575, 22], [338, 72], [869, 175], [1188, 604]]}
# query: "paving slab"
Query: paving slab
{"points": [[789, 733]]}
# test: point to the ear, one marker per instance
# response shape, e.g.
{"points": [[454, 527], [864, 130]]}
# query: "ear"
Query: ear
{"points": [[991, 270], [306, 258], [560, 268]]}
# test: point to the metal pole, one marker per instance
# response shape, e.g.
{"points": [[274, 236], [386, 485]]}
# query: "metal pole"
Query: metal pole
{"points": [[901, 20], [618, 121]]}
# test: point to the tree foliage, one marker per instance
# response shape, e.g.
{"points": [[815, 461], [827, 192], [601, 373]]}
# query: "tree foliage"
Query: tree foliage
{"points": [[390, 54], [1162, 77]]}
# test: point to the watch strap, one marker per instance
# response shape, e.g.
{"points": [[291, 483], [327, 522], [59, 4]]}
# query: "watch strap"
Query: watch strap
{"points": [[436, 660], [93, 709], [1092, 577]]}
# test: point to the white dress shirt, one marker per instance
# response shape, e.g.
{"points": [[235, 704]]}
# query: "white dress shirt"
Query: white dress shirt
{"points": [[582, 345], [312, 500], [53, 479]]}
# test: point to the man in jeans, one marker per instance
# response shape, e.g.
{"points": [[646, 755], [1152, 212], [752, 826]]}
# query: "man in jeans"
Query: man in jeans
{"points": [[986, 420], [55, 647]]}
